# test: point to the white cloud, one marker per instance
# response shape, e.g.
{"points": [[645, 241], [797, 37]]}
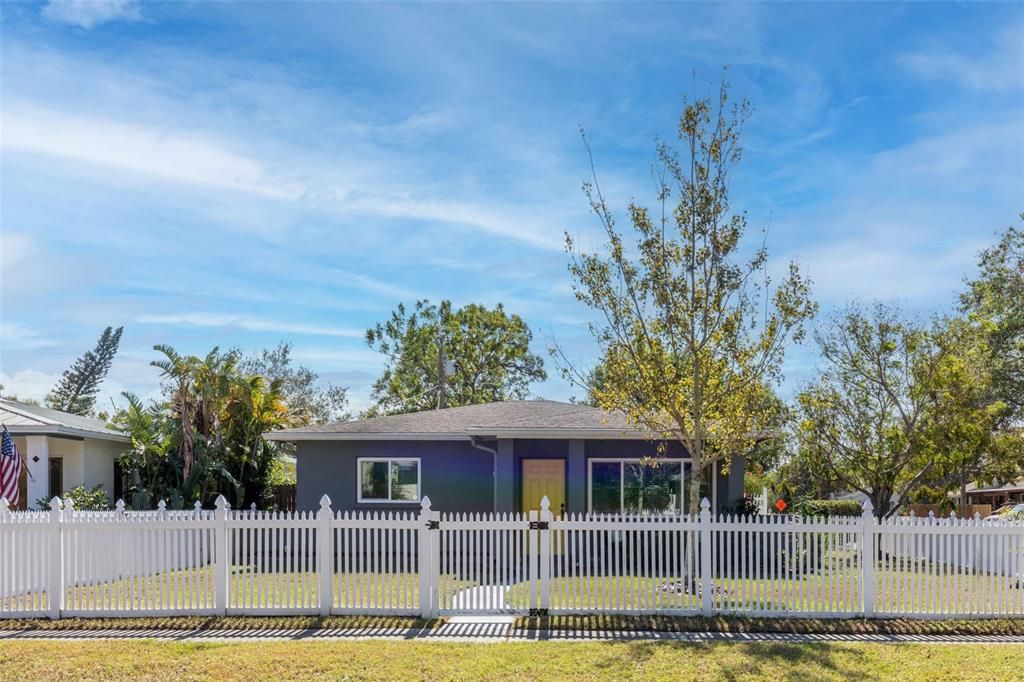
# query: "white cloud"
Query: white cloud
{"points": [[15, 248], [910, 221], [376, 286], [341, 358], [28, 383], [1000, 68], [178, 155], [248, 323], [884, 266], [89, 13], [14, 335], [492, 220]]}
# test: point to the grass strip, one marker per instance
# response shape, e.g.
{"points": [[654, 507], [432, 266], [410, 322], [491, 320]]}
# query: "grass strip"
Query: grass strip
{"points": [[410, 661]]}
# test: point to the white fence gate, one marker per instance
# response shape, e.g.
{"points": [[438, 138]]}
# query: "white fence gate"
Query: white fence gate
{"points": [[122, 563]]}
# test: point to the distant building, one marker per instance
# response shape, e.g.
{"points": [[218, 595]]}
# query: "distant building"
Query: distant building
{"points": [[63, 451]]}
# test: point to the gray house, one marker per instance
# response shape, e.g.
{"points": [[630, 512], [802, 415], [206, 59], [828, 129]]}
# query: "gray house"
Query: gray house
{"points": [[500, 457]]}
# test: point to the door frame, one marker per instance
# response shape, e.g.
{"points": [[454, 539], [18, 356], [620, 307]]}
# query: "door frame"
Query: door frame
{"points": [[55, 463]]}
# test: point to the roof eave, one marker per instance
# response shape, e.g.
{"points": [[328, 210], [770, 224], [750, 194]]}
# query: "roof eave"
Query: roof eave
{"points": [[59, 430], [563, 433], [297, 436]]}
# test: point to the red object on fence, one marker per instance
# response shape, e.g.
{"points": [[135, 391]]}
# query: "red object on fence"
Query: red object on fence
{"points": [[781, 505]]}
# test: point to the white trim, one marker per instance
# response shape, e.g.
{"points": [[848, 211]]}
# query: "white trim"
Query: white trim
{"points": [[59, 430], [389, 460], [622, 460]]}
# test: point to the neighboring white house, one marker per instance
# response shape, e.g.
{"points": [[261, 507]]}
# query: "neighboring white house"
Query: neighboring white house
{"points": [[63, 450]]}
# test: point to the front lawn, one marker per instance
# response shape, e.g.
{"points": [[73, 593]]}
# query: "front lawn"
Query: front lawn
{"points": [[391, 660], [177, 590], [896, 592]]}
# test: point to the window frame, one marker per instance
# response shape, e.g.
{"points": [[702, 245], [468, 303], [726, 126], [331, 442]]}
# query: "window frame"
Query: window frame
{"points": [[683, 461], [373, 500]]}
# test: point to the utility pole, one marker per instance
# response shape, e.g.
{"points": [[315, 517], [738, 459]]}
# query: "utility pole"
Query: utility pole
{"points": [[442, 380]]}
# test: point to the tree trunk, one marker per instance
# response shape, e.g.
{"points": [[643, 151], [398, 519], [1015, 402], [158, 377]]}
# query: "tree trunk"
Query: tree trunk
{"points": [[696, 477]]}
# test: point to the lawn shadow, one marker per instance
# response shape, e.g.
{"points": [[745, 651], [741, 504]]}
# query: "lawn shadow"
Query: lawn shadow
{"points": [[762, 659]]}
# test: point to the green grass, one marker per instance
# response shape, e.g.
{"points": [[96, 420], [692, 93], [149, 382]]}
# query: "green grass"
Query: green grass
{"points": [[391, 660], [194, 589], [896, 592]]}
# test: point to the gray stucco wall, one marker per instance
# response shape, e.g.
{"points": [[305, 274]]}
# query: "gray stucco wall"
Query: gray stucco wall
{"points": [[458, 477], [453, 474]]}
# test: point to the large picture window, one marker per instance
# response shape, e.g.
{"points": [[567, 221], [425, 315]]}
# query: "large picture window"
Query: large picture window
{"points": [[389, 480], [639, 486]]}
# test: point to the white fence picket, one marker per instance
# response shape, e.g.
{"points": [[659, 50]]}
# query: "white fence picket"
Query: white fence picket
{"points": [[65, 562]]}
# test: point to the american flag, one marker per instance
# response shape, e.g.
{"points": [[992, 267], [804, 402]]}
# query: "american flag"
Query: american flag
{"points": [[10, 469]]}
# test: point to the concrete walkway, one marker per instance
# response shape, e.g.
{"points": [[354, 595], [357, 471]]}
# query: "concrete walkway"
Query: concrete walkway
{"points": [[485, 629]]}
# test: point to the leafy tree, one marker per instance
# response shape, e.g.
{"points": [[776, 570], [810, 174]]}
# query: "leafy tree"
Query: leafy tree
{"points": [[897, 406], [592, 383], [692, 336], [78, 386], [308, 401], [994, 303], [151, 466], [970, 432], [488, 351], [205, 436]]}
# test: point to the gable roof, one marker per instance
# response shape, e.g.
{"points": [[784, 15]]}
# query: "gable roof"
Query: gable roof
{"points": [[508, 419], [22, 419]]}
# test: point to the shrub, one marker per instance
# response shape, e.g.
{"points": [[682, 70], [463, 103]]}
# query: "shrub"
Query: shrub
{"points": [[746, 506], [828, 508], [94, 499]]}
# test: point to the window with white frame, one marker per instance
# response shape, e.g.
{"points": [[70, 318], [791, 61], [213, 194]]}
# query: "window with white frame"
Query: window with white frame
{"points": [[384, 479], [651, 486]]}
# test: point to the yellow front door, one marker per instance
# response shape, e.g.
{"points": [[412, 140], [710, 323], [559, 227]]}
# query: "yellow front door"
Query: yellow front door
{"points": [[544, 477]]}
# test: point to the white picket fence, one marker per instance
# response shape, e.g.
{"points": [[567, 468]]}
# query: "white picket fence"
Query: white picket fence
{"points": [[65, 562]]}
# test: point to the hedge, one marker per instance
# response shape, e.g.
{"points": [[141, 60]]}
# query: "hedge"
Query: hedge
{"points": [[828, 508]]}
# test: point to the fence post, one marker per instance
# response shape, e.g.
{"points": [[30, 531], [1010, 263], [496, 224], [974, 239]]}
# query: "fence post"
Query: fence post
{"points": [[532, 555], [868, 556], [429, 560], [221, 557], [7, 542], [545, 554], [704, 523], [55, 581], [325, 556], [435, 564]]}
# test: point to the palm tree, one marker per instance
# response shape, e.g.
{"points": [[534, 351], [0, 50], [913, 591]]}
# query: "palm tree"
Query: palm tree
{"points": [[181, 369]]}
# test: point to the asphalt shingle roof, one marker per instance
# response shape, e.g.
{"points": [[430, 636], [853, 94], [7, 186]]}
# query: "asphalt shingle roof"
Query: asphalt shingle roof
{"points": [[525, 415]]}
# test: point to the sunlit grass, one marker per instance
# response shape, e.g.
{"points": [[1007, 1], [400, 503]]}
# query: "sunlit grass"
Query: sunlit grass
{"points": [[175, 590], [417, 660]]}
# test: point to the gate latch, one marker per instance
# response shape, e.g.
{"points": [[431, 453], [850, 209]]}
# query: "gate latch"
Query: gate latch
{"points": [[433, 525], [538, 525]]}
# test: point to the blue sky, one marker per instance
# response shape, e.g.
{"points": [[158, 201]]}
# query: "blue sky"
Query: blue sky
{"points": [[238, 174]]}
